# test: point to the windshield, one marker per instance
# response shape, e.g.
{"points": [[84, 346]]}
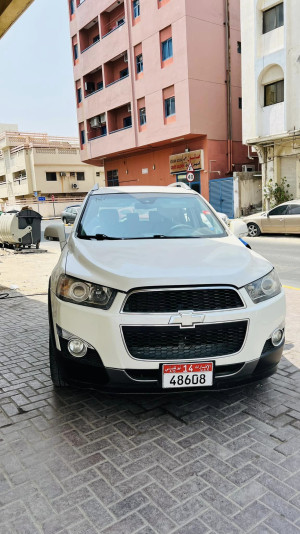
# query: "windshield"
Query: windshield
{"points": [[148, 216]]}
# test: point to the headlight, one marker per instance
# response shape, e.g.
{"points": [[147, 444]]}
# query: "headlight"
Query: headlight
{"points": [[84, 293], [264, 288]]}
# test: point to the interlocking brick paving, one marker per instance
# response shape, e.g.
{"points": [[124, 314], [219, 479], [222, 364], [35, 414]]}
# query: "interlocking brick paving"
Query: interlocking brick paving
{"points": [[82, 462]]}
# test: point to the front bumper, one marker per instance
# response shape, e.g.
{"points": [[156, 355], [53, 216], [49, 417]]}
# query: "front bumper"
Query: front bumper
{"points": [[111, 367], [89, 371]]}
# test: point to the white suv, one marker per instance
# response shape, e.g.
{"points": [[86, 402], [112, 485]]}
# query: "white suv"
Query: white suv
{"points": [[153, 292]]}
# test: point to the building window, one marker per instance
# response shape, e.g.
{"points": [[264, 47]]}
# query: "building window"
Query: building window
{"points": [[143, 118], [99, 85], [139, 63], [90, 87], [79, 95], [127, 122], [274, 93], [75, 52], [72, 7], [170, 106], [124, 73], [240, 102], [167, 49], [112, 178], [104, 130], [239, 47], [82, 137], [51, 176], [120, 22], [136, 8], [273, 18], [80, 176]]}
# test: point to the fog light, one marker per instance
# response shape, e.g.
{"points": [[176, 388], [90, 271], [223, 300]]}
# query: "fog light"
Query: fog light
{"points": [[277, 337], [77, 347]]}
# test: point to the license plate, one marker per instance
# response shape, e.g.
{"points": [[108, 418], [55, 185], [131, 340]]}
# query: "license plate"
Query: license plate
{"points": [[187, 375]]}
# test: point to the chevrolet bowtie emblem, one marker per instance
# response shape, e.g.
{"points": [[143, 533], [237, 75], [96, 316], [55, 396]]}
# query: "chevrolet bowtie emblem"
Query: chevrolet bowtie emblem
{"points": [[187, 319]]}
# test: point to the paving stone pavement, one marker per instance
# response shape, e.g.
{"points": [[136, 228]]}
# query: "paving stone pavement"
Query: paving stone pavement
{"points": [[81, 462]]}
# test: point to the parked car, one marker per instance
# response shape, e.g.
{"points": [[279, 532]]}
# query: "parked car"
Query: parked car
{"points": [[283, 219], [70, 213], [161, 299]]}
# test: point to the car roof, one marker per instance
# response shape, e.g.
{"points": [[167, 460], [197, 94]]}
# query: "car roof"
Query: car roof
{"points": [[294, 201], [144, 189]]}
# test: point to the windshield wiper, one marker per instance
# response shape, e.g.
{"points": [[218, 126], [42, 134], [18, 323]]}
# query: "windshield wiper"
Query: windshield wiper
{"points": [[98, 237]]}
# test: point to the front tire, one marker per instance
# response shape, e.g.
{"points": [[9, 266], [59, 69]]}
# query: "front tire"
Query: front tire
{"points": [[55, 366], [56, 370], [64, 220], [253, 230]]}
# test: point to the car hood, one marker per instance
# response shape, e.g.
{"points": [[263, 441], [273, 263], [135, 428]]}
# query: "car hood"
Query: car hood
{"points": [[127, 264], [255, 216]]}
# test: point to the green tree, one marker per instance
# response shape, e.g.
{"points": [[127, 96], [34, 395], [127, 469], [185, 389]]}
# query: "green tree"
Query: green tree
{"points": [[277, 193]]}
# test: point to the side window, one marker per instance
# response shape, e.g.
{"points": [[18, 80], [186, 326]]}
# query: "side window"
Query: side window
{"points": [[279, 210], [293, 209]]}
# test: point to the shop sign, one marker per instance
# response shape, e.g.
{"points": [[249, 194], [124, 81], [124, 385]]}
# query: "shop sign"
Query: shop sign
{"points": [[180, 162]]}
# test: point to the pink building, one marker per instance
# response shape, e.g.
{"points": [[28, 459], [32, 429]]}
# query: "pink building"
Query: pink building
{"points": [[156, 79]]}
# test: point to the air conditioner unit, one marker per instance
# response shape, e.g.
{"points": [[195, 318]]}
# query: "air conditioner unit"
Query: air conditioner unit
{"points": [[248, 168], [129, 107], [95, 122], [102, 118], [126, 57], [74, 186], [62, 174]]}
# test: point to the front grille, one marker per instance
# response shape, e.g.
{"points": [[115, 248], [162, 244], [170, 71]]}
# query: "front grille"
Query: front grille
{"points": [[175, 343], [171, 300]]}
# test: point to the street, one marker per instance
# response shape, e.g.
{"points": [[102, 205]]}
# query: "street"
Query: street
{"points": [[283, 252]]}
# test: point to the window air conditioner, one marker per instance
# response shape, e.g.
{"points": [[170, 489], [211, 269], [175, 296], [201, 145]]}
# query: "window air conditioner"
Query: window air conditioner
{"points": [[248, 168], [62, 174], [129, 107], [74, 186], [95, 122], [102, 118], [126, 57]]}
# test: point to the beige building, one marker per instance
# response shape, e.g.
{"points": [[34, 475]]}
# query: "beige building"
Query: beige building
{"points": [[38, 165]]}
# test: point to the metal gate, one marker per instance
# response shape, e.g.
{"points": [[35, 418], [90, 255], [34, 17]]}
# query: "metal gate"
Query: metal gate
{"points": [[221, 195]]}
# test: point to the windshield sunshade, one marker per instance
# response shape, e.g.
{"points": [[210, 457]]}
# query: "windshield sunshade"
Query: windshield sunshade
{"points": [[148, 216]]}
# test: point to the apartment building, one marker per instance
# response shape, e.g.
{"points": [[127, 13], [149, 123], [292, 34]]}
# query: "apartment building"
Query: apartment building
{"points": [[270, 82], [38, 165], [158, 88]]}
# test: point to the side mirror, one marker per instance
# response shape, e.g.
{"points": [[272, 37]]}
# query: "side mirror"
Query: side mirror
{"points": [[56, 231], [239, 228]]}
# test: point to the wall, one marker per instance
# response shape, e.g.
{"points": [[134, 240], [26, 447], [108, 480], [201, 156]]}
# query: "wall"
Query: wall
{"points": [[249, 192]]}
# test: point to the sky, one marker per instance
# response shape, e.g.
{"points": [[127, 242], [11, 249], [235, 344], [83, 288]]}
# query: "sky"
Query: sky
{"points": [[36, 82]]}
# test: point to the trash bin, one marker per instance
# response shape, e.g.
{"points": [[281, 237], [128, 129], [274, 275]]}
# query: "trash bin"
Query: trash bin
{"points": [[21, 229]]}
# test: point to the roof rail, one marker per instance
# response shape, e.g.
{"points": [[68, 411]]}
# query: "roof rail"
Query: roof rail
{"points": [[179, 184]]}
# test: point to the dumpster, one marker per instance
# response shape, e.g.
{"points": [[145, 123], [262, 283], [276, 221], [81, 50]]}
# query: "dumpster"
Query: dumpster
{"points": [[21, 229]]}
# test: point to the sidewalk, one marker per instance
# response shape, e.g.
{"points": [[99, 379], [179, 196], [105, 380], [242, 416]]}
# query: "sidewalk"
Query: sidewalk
{"points": [[80, 462]]}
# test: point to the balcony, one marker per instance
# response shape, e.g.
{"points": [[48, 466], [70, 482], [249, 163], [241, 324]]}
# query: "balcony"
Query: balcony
{"points": [[112, 18], [116, 69], [89, 35], [96, 127], [119, 118], [93, 82]]}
